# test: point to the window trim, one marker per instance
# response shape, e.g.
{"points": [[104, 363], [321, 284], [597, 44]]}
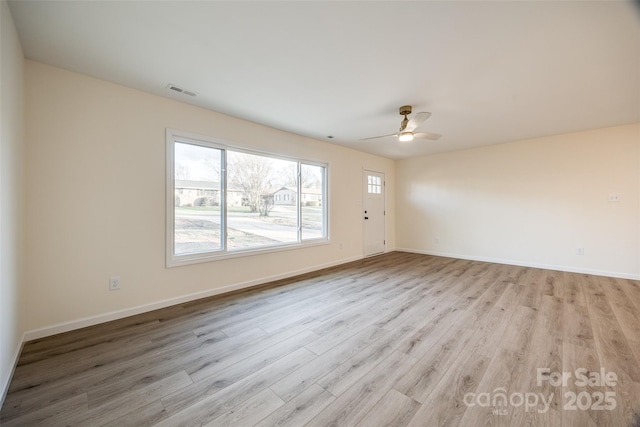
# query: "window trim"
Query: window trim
{"points": [[172, 260]]}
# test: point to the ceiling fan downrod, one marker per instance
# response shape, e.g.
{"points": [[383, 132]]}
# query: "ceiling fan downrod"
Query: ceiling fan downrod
{"points": [[404, 111]]}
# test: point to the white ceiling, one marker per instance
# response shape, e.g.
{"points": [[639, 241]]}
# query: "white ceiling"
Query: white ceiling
{"points": [[488, 71]]}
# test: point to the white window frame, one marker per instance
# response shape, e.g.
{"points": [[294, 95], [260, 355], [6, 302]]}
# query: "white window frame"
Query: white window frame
{"points": [[172, 260]]}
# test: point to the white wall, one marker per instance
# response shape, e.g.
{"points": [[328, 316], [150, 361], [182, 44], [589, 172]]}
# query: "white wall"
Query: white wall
{"points": [[11, 189], [529, 202], [96, 201]]}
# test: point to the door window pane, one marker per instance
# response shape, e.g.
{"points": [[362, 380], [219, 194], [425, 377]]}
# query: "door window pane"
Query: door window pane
{"points": [[374, 184]]}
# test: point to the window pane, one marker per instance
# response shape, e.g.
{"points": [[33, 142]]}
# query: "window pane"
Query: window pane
{"points": [[312, 202], [265, 193], [197, 191], [374, 184]]}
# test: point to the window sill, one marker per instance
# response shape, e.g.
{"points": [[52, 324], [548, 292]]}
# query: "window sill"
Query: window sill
{"points": [[219, 256]]}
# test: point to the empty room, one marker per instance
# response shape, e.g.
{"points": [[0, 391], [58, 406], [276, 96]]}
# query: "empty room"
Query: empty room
{"points": [[319, 213]]}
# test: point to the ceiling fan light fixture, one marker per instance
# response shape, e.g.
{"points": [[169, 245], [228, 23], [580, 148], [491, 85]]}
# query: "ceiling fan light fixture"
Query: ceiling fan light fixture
{"points": [[405, 137]]}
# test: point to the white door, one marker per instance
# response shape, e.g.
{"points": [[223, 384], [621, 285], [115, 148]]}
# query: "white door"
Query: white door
{"points": [[373, 212]]}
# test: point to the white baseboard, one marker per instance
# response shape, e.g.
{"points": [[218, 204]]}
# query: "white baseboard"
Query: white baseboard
{"points": [[4, 385], [119, 314], [526, 264]]}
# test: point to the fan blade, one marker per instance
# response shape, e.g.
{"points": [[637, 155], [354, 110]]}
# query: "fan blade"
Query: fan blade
{"points": [[376, 137], [427, 135], [416, 121]]}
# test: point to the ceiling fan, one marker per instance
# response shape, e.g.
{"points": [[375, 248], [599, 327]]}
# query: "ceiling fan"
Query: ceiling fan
{"points": [[407, 127]]}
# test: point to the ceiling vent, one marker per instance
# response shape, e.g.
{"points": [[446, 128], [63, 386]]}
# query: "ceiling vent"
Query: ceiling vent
{"points": [[180, 90]]}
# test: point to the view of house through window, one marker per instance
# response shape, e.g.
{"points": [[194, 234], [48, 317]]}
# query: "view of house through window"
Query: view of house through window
{"points": [[262, 219], [227, 200], [198, 190]]}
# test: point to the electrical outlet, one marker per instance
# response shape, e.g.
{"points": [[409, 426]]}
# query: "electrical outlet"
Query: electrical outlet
{"points": [[579, 250], [614, 197], [114, 283]]}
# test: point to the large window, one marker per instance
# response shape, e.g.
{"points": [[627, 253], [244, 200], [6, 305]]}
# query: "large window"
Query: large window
{"points": [[226, 201]]}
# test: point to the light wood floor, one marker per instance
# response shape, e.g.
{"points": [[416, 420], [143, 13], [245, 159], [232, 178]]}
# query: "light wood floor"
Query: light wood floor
{"points": [[395, 340]]}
